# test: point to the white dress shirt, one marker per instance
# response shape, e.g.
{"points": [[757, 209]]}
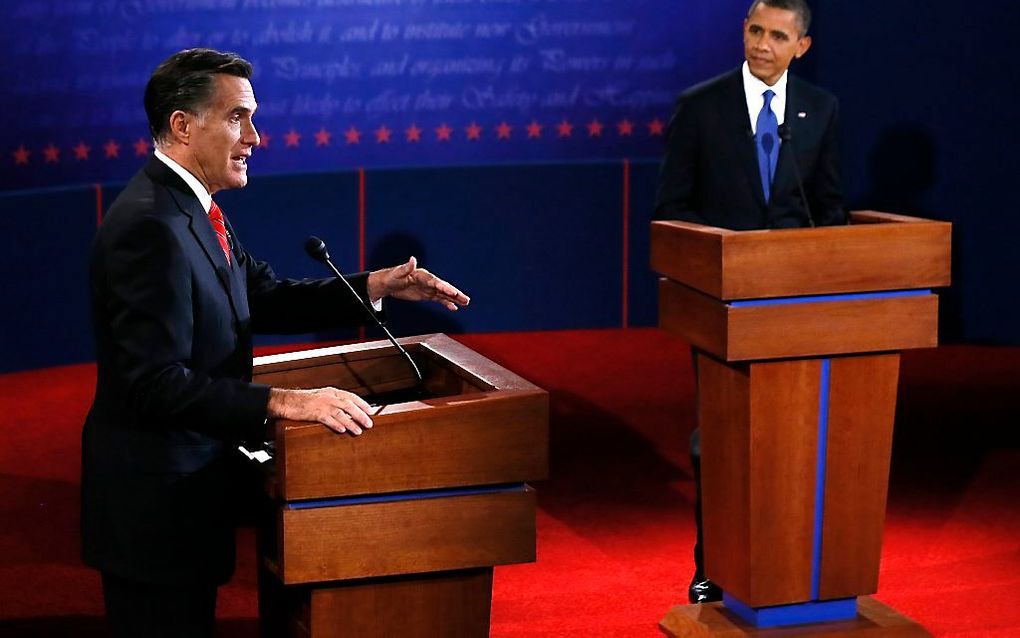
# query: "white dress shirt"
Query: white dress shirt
{"points": [[203, 195], [754, 92]]}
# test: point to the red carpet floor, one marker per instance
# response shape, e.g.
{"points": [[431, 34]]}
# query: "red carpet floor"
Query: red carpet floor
{"points": [[615, 529]]}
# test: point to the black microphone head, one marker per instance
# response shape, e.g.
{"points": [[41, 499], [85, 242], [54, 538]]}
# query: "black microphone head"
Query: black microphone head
{"points": [[767, 142], [316, 249], [784, 132]]}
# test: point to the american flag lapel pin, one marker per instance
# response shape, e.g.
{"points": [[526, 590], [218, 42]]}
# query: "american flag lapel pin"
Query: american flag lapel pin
{"points": [[801, 115]]}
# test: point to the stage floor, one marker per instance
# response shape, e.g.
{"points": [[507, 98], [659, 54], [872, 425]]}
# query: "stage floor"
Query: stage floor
{"points": [[615, 527]]}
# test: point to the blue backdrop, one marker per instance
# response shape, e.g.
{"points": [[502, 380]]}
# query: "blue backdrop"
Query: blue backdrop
{"points": [[344, 83]]}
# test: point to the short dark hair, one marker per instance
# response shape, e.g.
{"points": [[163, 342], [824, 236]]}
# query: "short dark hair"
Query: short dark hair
{"points": [[184, 82], [800, 7]]}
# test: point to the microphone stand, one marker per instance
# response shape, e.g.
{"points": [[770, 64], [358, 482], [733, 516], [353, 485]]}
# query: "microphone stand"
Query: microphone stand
{"points": [[786, 135], [316, 249]]}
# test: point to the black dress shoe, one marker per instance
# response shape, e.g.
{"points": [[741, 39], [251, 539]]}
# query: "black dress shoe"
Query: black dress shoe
{"points": [[703, 590]]}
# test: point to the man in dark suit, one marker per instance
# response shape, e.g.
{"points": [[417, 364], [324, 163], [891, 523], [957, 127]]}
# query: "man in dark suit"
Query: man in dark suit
{"points": [[735, 147], [175, 301], [713, 169]]}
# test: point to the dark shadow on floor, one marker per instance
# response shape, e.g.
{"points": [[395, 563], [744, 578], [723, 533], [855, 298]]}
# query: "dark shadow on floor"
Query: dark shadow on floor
{"points": [[95, 627]]}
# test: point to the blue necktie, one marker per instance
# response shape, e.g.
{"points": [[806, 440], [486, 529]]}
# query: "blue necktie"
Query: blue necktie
{"points": [[767, 142]]}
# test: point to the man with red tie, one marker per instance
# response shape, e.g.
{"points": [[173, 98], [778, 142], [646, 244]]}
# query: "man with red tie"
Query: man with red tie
{"points": [[737, 147], [175, 301]]}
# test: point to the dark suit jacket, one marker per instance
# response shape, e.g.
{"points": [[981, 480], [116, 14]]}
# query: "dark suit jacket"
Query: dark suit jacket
{"points": [[710, 171], [173, 326]]}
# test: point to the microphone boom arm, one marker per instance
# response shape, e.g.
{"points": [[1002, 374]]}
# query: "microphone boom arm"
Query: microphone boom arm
{"points": [[786, 135], [316, 249]]}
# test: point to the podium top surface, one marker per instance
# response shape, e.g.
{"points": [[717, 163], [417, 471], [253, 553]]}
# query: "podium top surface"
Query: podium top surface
{"points": [[474, 423], [480, 372], [875, 252]]}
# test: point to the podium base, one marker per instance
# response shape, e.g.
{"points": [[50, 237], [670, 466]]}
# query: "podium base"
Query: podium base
{"points": [[874, 619], [452, 604]]}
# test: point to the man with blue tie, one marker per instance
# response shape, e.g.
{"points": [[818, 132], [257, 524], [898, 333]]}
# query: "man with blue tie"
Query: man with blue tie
{"points": [[737, 146]]}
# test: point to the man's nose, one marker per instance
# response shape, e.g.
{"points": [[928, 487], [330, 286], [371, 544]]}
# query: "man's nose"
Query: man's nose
{"points": [[251, 136]]}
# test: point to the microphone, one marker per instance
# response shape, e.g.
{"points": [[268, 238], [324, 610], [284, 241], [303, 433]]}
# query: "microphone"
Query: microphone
{"points": [[316, 249], [786, 134]]}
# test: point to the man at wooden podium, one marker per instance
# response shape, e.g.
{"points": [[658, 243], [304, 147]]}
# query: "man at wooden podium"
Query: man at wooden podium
{"points": [[754, 148], [175, 300]]}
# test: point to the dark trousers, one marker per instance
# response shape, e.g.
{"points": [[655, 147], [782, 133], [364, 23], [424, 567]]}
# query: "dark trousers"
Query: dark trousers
{"points": [[699, 552], [699, 543], [144, 610]]}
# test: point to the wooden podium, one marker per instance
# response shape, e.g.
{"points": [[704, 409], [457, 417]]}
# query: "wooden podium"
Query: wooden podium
{"points": [[395, 532], [797, 334]]}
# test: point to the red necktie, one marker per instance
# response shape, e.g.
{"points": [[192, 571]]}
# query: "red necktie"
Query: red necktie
{"points": [[216, 219]]}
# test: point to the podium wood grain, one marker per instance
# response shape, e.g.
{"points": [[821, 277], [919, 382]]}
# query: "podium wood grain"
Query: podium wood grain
{"points": [[470, 440], [406, 537], [760, 444], [452, 605], [838, 298], [808, 329], [879, 251], [759, 439], [350, 544], [482, 424], [862, 409]]}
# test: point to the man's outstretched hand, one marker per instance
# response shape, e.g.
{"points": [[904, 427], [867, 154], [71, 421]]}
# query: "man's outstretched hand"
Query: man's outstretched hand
{"points": [[342, 411], [409, 282]]}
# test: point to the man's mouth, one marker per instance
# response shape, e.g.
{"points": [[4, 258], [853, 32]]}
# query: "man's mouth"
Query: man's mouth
{"points": [[241, 160]]}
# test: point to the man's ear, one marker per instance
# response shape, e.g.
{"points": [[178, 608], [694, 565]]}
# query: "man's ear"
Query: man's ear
{"points": [[802, 46], [180, 126]]}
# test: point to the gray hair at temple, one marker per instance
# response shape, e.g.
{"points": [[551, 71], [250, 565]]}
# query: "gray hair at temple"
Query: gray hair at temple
{"points": [[185, 82]]}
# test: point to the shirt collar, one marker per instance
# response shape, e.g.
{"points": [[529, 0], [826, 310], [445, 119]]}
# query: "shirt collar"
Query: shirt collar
{"points": [[754, 90], [754, 86], [201, 193]]}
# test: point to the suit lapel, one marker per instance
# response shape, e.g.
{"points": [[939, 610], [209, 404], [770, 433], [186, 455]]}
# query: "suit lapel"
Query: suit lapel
{"points": [[201, 229], [735, 104], [238, 280], [784, 164]]}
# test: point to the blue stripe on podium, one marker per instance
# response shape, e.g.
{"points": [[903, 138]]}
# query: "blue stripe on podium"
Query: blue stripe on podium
{"points": [[368, 499], [799, 614], [820, 467], [785, 301], [815, 610]]}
